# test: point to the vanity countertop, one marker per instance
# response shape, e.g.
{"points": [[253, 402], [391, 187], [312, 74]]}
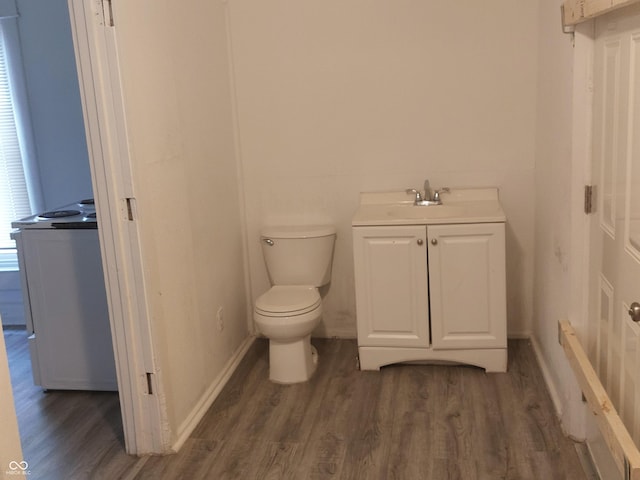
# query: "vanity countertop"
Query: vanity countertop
{"points": [[460, 205]]}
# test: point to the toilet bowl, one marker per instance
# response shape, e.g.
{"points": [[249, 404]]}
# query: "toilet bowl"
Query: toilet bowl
{"points": [[287, 315], [298, 261]]}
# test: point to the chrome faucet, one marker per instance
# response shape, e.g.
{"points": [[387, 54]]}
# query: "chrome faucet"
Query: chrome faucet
{"points": [[420, 198], [429, 198], [427, 190]]}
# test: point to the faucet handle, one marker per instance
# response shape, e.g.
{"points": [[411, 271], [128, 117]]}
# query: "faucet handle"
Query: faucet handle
{"points": [[436, 194], [413, 191]]}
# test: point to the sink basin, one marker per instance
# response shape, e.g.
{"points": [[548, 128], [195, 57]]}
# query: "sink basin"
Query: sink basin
{"points": [[420, 212], [465, 205]]}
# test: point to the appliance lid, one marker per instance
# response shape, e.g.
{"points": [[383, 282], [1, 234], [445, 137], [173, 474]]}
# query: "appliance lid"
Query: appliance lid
{"points": [[288, 299]]}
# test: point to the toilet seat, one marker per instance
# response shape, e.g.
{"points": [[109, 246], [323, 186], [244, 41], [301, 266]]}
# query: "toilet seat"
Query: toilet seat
{"points": [[288, 301]]}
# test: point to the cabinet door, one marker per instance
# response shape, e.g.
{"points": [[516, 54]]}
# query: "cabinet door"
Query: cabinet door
{"points": [[467, 286], [391, 286]]}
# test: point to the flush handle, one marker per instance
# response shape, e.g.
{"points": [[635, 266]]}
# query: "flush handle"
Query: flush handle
{"points": [[634, 312], [269, 242]]}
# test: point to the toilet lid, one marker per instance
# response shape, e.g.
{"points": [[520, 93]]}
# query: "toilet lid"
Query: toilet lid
{"points": [[288, 300]]}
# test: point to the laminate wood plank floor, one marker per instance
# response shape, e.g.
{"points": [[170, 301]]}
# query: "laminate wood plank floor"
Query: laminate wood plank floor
{"points": [[405, 422], [65, 435]]}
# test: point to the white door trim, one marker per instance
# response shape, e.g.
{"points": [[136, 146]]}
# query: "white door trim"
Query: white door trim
{"points": [[143, 413], [574, 414], [581, 167]]}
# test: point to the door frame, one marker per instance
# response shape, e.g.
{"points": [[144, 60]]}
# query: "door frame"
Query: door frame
{"points": [[144, 414], [574, 414], [584, 42]]}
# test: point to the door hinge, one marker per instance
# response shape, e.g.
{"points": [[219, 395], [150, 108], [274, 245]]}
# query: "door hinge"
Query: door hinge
{"points": [[150, 383], [589, 191], [129, 209], [107, 13]]}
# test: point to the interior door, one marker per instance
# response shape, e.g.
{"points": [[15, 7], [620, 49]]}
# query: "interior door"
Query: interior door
{"points": [[615, 229]]}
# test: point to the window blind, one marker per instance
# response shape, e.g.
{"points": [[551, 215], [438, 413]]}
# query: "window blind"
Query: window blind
{"points": [[14, 192], [14, 198]]}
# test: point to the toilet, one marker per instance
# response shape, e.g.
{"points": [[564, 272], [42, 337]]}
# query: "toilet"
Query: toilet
{"points": [[298, 261]]}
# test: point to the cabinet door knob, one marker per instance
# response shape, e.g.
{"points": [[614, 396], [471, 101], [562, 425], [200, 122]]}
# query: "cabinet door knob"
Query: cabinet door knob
{"points": [[420, 241], [634, 312], [434, 241]]}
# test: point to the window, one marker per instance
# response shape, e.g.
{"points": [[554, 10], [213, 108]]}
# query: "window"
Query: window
{"points": [[14, 197], [18, 197]]}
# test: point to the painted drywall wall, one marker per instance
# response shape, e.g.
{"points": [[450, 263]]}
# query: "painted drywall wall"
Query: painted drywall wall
{"points": [[554, 283], [54, 101], [335, 98], [177, 96]]}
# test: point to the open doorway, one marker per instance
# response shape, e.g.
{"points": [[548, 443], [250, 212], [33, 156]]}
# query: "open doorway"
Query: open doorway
{"points": [[48, 420]]}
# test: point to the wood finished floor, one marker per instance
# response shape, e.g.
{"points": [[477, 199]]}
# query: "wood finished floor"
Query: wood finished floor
{"points": [[405, 422]]}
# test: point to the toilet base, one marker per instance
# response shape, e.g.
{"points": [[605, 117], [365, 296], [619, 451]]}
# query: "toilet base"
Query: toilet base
{"points": [[292, 361]]}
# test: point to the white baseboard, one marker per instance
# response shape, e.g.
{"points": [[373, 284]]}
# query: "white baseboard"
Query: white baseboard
{"points": [[544, 367], [201, 408]]}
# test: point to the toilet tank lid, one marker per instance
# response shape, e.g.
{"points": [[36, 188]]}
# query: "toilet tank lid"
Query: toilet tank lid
{"points": [[298, 231]]}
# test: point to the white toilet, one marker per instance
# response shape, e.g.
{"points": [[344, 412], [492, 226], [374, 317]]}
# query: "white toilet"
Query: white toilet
{"points": [[299, 261]]}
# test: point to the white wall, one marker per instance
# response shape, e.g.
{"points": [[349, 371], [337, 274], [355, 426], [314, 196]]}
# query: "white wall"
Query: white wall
{"points": [[177, 97], [54, 101], [335, 98], [554, 284]]}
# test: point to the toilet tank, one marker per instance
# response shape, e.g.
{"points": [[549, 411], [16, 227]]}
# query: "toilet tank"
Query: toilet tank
{"points": [[298, 255]]}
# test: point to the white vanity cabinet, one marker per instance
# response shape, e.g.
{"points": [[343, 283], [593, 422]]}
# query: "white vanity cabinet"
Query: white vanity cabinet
{"points": [[429, 290]]}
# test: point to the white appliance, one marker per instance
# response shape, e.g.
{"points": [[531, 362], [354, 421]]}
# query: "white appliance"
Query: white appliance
{"points": [[65, 300]]}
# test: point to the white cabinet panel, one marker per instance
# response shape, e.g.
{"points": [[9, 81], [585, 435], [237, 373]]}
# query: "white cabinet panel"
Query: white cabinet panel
{"points": [[391, 286], [467, 286]]}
